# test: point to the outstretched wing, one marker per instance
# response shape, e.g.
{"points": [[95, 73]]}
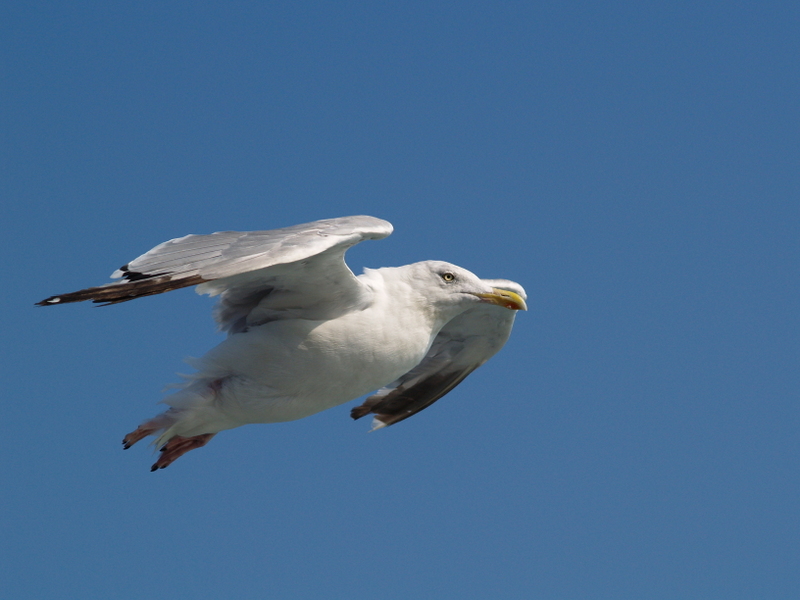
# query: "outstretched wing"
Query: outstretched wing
{"points": [[296, 271], [462, 346]]}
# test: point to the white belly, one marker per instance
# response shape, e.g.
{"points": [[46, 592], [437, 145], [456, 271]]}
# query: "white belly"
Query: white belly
{"points": [[286, 370]]}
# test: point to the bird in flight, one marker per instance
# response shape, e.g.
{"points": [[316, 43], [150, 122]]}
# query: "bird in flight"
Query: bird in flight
{"points": [[305, 334]]}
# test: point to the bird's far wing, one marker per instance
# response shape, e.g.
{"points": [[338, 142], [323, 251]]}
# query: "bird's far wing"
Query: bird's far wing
{"points": [[298, 267], [462, 346]]}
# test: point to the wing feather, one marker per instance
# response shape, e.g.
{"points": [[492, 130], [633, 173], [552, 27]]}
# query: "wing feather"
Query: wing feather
{"points": [[463, 345], [302, 265]]}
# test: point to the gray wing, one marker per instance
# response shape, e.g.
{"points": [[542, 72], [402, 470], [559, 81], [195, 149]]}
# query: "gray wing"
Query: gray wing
{"points": [[296, 271], [462, 346]]}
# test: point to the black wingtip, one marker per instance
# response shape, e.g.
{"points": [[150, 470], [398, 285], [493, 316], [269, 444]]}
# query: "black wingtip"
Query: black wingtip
{"points": [[359, 411], [135, 285], [51, 301]]}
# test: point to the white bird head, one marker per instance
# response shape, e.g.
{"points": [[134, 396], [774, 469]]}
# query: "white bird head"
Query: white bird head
{"points": [[449, 285]]}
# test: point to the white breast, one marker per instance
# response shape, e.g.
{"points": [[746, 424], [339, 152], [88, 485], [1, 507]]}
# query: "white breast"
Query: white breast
{"points": [[289, 369]]}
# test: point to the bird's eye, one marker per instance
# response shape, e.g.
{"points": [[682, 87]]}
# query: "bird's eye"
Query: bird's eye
{"points": [[448, 276]]}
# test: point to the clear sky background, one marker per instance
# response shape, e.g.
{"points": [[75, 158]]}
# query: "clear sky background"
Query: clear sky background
{"points": [[634, 165]]}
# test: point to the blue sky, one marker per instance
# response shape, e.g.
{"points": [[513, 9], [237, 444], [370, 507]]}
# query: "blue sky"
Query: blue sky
{"points": [[633, 165]]}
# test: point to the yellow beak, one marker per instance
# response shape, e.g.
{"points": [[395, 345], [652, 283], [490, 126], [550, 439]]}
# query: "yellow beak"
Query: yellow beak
{"points": [[505, 299]]}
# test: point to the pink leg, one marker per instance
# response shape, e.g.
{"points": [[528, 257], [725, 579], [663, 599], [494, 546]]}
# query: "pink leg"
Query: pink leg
{"points": [[177, 446], [150, 427]]}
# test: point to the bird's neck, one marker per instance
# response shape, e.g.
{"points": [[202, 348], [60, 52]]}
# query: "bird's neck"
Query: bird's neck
{"points": [[410, 304]]}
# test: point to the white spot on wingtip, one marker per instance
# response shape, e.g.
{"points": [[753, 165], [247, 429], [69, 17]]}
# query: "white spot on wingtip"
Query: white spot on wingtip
{"points": [[54, 300], [376, 424]]}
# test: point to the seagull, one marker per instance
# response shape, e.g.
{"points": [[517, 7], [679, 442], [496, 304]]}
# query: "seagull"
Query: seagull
{"points": [[305, 334]]}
